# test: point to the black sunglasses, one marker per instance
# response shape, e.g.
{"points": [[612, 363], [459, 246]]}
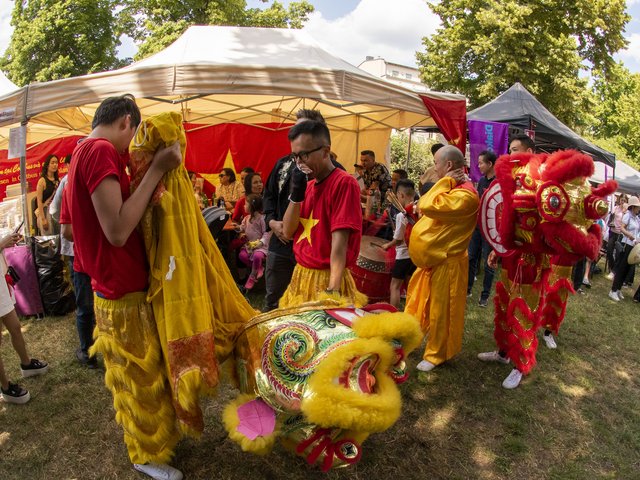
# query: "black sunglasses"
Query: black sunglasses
{"points": [[303, 156]]}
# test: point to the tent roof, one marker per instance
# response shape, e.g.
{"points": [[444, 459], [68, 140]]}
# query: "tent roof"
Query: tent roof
{"points": [[216, 75], [520, 109], [627, 177]]}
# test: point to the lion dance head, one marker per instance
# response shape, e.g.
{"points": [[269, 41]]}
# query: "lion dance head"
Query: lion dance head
{"points": [[321, 378]]}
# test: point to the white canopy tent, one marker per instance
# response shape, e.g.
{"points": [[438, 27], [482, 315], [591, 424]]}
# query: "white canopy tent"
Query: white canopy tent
{"points": [[215, 75], [627, 177], [6, 85]]}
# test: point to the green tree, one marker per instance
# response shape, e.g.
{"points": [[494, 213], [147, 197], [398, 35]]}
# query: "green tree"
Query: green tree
{"points": [[612, 145], [421, 157], [154, 24], [55, 39], [617, 117], [485, 46]]}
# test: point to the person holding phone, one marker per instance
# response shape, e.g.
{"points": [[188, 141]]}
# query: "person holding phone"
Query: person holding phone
{"points": [[12, 392]]}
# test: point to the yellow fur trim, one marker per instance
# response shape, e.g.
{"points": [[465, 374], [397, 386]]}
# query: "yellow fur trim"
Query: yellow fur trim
{"points": [[399, 326], [330, 404], [188, 387], [261, 445], [338, 299]]}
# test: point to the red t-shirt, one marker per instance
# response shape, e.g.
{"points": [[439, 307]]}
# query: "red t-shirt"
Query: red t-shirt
{"points": [[114, 271], [333, 204]]}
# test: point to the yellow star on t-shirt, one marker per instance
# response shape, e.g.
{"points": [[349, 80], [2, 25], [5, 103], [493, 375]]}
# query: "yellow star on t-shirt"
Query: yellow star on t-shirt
{"points": [[307, 225]]}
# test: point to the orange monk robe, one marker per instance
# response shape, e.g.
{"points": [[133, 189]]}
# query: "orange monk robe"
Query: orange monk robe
{"points": [[437, 292]]}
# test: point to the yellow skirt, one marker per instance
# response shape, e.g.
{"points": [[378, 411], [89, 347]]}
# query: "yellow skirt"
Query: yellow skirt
{"points": [[309, 285], [127, 337]]}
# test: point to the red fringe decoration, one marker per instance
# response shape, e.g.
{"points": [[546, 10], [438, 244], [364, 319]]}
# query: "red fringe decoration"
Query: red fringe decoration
{"points": [[520, 344], [565, 165], [606, 189], [581, 245], [555, 305]]}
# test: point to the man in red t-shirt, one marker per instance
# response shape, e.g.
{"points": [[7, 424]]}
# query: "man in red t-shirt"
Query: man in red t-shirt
{"points": [[100, 215], [323, 218]]}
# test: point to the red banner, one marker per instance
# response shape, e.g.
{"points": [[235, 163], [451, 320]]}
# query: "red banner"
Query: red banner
{"points": [[212, 148], [36, 155], [209, 149], [451, 118]]}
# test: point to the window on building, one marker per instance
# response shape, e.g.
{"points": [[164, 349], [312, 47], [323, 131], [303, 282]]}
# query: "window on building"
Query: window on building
{"points": [[409, 76], [395, 73]]}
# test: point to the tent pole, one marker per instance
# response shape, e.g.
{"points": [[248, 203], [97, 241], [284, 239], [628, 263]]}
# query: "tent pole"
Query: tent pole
{"points": [[406, 167], [23, 186], [357, 138], [23, 169], [614, 168]]}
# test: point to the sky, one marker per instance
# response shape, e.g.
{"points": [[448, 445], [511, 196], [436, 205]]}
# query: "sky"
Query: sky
{"points": [[354, 29]]}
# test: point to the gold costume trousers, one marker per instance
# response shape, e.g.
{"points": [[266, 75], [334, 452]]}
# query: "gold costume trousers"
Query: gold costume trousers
{"points": [[309, 284], [126, 335], [437, 298]]}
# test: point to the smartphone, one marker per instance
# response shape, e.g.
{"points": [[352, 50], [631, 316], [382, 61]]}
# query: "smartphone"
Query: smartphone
{"points": [[17, 229]]}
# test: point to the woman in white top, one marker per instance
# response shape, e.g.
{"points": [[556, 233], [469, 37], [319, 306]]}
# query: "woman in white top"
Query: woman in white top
{"points": [[615, 220], [630, 229]]}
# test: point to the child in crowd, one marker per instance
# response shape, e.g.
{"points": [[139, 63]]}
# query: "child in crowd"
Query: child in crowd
{"points": [[403, 267], [29, 366], [254, 252]]}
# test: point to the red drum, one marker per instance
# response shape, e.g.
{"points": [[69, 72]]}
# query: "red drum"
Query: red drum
{"points": [[372, 271]]}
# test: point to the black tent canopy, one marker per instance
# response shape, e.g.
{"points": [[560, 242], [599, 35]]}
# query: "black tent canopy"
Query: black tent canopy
{"points": [[522, 111]]}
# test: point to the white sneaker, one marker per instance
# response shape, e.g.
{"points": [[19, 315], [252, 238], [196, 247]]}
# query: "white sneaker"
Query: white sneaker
{"points": [[159, 471], [493, 357], [513, 380], [550, 341], [425, 366], [610, 276], [620, 296], [614, 296]]}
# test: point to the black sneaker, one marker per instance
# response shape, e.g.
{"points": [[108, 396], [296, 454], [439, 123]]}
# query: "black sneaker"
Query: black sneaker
{"points": [[85, 360], [15, 394], [483, 302], [36, 367], [92, 363]]}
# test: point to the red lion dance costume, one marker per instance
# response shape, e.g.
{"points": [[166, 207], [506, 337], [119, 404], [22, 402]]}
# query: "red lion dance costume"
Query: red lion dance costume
{"points": [[539, 217]]}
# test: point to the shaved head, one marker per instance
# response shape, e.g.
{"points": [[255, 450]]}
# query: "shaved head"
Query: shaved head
{"points": [[452, 154], [448, 158]]}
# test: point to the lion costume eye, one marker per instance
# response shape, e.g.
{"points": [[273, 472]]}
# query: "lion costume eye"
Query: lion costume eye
{"points": [[553, 201]]}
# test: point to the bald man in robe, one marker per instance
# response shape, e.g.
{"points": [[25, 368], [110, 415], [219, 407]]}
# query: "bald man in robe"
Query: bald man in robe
{"points": [[437, 292]]}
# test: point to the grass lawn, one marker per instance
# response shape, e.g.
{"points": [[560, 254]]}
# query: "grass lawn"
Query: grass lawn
{"points": [[577, 416]]}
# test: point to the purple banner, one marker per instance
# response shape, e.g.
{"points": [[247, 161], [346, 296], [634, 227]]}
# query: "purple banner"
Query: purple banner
{"points": [[486, 136]]}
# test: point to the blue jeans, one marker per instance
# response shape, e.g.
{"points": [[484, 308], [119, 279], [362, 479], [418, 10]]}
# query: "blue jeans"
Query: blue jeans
{"points": [[85, 317], [479, 249]]}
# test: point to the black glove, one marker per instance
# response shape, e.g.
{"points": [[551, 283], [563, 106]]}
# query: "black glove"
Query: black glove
{"points": [[298, 185]]}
